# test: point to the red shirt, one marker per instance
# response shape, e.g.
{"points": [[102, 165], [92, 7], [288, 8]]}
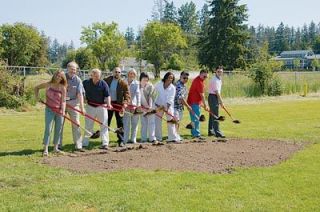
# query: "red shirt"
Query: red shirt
{"points": [[197, 88]]}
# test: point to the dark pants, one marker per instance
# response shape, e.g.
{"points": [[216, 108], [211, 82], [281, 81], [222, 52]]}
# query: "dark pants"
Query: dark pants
{"points": [[213, 125], [119, 121]]}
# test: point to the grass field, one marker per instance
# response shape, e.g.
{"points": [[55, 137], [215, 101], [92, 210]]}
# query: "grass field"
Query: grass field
{"points": [[27, 185]]}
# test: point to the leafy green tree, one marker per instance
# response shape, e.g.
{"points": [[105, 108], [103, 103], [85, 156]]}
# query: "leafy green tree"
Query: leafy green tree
{"points": [[22, 45], [188, 18], [315, 64], [175, 62], [106, 43], [316, 45], [83, 56], [169, 13], [225, 41], [160, 41], [262, 73]]}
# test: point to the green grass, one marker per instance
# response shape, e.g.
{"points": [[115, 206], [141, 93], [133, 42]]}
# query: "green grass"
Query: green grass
{"points": [[27, 185]]}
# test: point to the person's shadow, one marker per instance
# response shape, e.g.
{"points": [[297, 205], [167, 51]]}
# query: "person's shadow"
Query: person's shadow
{"points": [[65, 148]]}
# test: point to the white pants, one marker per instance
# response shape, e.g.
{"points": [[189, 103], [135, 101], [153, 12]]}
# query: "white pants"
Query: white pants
{"points": [[101, 114], [76, 131], [172, 133], [130, 127], [178, 115], [147, 128]]}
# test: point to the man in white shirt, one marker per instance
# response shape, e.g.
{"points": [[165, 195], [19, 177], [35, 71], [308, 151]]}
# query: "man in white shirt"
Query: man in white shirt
{"points": [[214, 101]]}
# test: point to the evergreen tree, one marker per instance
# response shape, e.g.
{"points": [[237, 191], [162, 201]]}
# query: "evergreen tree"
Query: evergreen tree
{"points": [[225, 41], [188, 18], [129, 36], [169, 13]]}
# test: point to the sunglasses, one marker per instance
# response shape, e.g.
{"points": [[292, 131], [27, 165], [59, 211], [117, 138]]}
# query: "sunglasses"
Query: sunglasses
{"points": [[118, 72], [185, 78]]}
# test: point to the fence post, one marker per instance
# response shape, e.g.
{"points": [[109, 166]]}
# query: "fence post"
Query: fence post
{"points": [[295, 82], [24, 71]]}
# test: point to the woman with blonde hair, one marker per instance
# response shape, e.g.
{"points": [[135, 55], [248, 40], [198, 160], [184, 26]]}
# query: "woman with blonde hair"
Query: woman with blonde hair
{"points": [[55, 108]]}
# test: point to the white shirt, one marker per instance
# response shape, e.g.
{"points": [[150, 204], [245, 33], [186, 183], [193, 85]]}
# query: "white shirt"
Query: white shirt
{"points": [[215, 85], [165, 96]]}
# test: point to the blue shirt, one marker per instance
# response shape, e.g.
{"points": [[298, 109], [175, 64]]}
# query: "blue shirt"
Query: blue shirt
{"points": [[74, 88], [95, 93], [113, 89], [181, 93]]}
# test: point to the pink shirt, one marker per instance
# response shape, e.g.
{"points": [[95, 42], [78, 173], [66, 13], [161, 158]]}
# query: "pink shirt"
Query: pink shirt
{"points": [[53, 98]]}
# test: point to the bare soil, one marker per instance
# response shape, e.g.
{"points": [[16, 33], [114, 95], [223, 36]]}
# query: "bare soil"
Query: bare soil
{"points": [[209, 156]]}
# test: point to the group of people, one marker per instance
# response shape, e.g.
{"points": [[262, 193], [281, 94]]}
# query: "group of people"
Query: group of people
{"points": [[129, 100]]}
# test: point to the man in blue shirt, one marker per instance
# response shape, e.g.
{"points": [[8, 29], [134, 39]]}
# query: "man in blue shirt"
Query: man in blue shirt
{"points": [[180, 99], [98, 98], [74, 99]]}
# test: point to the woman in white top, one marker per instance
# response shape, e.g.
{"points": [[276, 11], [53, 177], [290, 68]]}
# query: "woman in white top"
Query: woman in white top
{"points": [[130, 122], [166, 92]]}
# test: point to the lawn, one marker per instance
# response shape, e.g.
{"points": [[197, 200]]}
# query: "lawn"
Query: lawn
{"points": [[28, 185]]}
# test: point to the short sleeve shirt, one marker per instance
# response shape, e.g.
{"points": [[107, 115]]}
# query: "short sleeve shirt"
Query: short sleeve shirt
{"points": [[95, 93], [197, 88], [181, 93]]}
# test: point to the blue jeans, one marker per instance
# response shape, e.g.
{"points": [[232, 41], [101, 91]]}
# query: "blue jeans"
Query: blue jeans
{"points": [[50, 118], [195, 132]]}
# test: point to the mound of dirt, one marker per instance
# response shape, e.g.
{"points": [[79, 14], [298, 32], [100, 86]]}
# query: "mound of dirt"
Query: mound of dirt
{"points": [[213, 157]]}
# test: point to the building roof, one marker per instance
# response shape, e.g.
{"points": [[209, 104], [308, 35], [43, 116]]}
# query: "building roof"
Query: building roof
{"points": [[296, 54]]}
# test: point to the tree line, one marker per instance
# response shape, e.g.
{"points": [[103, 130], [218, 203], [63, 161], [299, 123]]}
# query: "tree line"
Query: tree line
{"points": [[174, 38]]}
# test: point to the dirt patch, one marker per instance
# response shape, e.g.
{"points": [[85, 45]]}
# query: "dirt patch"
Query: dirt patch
{"points": [[191, 156]]}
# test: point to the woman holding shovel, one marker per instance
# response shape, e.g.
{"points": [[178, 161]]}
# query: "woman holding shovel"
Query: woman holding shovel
{"points": [[56, 90]]}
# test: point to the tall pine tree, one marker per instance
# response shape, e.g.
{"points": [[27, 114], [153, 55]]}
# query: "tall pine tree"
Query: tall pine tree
{"points": [[225, 41]]}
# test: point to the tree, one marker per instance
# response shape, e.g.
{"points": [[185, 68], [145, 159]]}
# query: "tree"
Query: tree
{"points": [[188, 18], [106, 43], [224, 42], [281, 41], [129, 36], [169, 13], [316, 45], [22, 45], [160, 41], [204, 17], [83, 56], [262, 73], [157, 10]]}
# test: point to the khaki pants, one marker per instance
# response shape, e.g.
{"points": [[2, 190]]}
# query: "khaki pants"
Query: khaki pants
{"points": [[76, 131]]}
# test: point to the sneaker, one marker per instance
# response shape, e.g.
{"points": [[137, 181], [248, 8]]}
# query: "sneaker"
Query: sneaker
{"points": [[79, 150], [199, 138], [121, 144], [58, 152], [105, 147], [45, 153], [154, 142]]}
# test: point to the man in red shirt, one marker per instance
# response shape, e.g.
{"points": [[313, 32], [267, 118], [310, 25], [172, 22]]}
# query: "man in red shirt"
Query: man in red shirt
{"points": [[196, 97]]}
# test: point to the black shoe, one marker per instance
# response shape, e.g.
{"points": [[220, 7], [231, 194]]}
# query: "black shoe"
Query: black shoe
{"points": [[211, 134], [221, 136], [105, 147]]}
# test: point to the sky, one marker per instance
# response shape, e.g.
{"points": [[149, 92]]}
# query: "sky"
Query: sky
{"points": [[64, 19]]}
